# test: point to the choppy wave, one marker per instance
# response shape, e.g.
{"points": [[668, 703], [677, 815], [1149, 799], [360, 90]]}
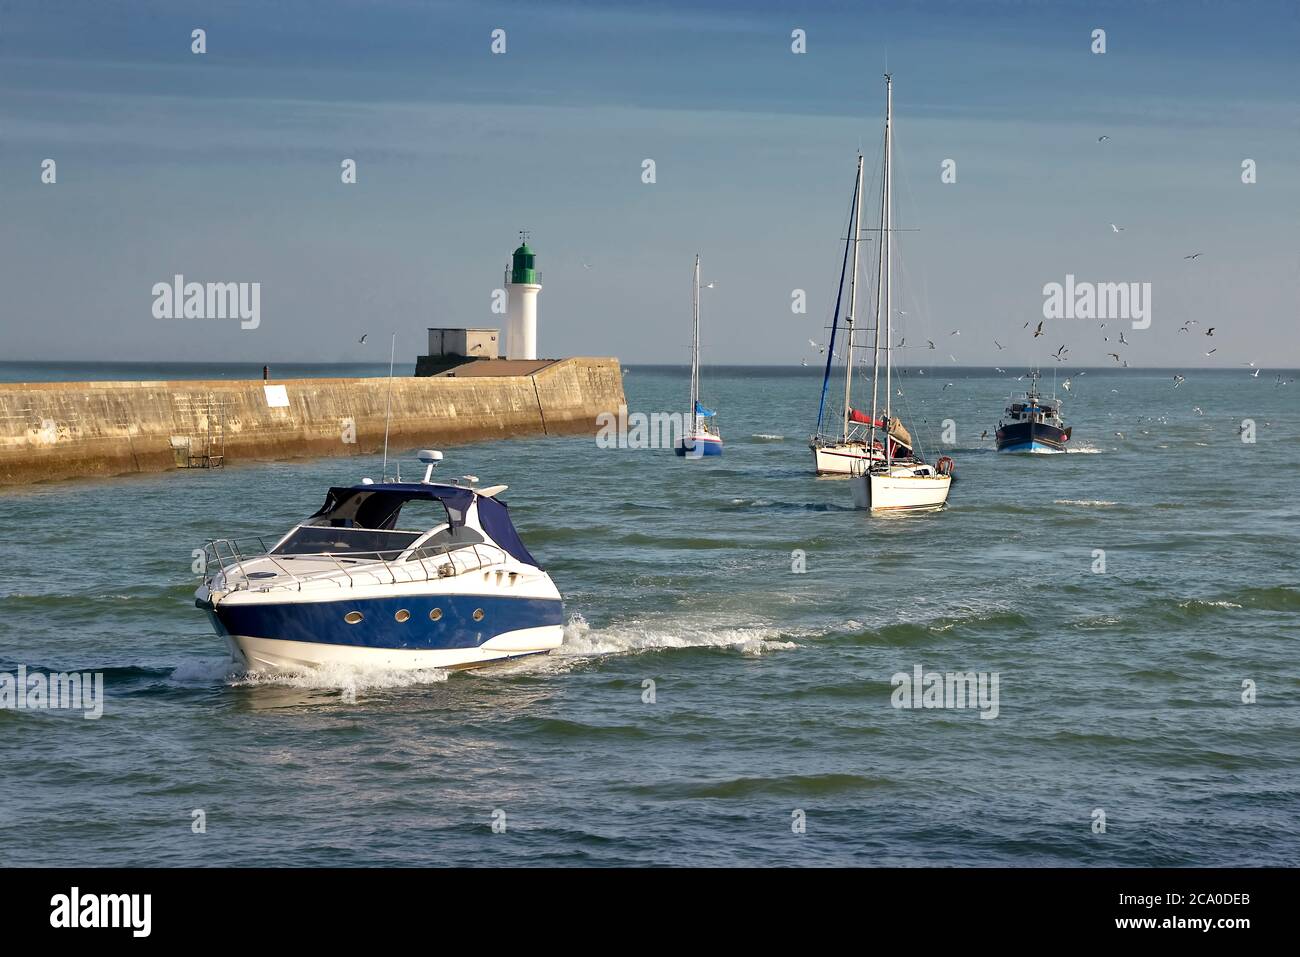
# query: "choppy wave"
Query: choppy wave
{"points": [[767, 437], [1096, 502]]}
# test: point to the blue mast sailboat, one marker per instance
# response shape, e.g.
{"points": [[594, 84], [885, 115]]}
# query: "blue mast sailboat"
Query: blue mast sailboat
{"points": [[702, 438]]}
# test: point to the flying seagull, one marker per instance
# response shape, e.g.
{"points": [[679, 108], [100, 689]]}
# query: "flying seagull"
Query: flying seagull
{"points": [[1212, 352], [1039, 331], [1210, 331], [362, 340], [1116, 229], [999, 345], [1059, 355], [1122, 340], [1193, 256], [931, 341], [1178, 380]]}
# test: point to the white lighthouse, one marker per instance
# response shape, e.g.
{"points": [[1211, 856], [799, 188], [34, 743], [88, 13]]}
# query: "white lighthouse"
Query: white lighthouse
{"points": [[523, 284]]}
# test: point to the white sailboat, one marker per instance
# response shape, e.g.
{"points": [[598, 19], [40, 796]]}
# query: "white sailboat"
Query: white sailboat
{"points": [[901, 480], [702, 438]]}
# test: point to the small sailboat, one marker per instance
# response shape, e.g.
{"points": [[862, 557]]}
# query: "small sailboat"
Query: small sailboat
{"points": [[1033, 423], [837, 451], [900, 480], [701, 438]]}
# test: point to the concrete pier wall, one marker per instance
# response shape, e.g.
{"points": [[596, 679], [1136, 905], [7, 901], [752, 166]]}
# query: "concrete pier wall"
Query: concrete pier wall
{"points": [[55, 430]]}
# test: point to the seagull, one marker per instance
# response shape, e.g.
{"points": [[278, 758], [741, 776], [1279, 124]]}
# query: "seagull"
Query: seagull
{"points": [[362, 340], [984, 435], [945, 387], [1178, 380], [585, 264], [1210, 331], [999, 370], [1122, 340], [1120, 434], [955, 332], [1193, 256], [1212, 352], [1116, 229], [1059, 355], [1255, 375], [1066, 385], [931, 341], [1039, 331], [1197, 410], [1103, 138], [710, 285], [999, 345]]}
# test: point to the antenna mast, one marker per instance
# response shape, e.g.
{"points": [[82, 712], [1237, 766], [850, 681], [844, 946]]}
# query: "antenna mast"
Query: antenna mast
{"points": [[388, 411]]}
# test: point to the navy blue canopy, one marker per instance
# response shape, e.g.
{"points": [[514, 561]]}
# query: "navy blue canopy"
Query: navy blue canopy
{"points": [[377, 506], [495, 519]]}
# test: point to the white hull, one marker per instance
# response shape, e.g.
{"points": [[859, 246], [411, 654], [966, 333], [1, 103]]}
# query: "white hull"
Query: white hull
{"points": [[293, 657], [846, 459], [901, 490]]}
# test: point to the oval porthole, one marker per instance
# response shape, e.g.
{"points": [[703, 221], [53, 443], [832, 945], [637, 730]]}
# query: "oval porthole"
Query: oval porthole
{"points": [[353, 617], [435, 614], [478, 614], [402, 615]]}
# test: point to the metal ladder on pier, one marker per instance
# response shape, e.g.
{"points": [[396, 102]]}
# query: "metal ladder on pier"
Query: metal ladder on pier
{"points": [[211, 453]]}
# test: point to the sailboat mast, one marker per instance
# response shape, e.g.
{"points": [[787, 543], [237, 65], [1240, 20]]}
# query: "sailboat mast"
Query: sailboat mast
{"points": [[880, 283], [853, 305], [888, 227], [695, 345]]}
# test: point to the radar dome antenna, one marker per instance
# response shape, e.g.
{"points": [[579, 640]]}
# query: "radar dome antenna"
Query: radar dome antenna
{"points": [[431, 458]]}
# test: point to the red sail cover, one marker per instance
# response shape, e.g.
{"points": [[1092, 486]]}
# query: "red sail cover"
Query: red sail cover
{"points": [[856, 416]]}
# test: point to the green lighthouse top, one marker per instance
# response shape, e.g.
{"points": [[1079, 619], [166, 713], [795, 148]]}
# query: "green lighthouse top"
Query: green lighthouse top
{"points": [[524, 265]]}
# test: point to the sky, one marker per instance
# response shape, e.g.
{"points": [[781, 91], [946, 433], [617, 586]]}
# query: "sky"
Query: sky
{"points": [[225, 166]]}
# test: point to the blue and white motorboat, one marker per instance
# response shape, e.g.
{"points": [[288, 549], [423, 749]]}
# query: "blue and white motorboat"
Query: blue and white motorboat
{"points": [[385, 575]]}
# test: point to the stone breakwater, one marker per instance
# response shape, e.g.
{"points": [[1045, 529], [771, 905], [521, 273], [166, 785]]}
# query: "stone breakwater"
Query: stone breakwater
{"points": [[57, 430]]}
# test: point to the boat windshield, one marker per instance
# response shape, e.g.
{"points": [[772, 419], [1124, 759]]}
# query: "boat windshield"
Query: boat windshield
{"points": [[359, 543]]}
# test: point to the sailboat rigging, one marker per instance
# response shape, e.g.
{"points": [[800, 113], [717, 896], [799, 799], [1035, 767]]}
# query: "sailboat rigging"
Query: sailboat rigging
{"points": [[898, 479], [702, 438]]}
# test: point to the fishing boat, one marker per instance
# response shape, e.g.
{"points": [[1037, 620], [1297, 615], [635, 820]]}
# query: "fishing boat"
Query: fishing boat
{"points": [[837, 451], [393, 575], [1032, 423], [901, 480], [701, 438]]}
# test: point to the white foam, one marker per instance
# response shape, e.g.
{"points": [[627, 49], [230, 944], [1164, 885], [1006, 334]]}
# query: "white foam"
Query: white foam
{"points": [[633, 637], [348, 679], [203, 670], [767, 437], [1096, 502]]}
